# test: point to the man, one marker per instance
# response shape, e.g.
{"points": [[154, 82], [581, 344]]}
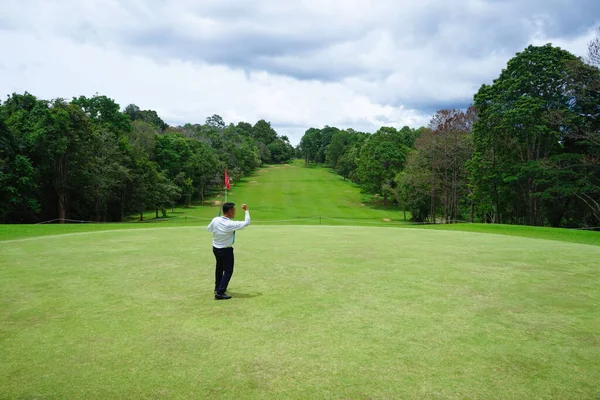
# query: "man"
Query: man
{"points": [[223, 230]]}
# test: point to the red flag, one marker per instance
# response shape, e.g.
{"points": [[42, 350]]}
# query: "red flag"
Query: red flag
{"points": [[227, 184]]}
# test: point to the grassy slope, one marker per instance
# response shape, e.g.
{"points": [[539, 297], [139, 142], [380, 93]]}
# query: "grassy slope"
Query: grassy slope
{"points": [[318, 312]]}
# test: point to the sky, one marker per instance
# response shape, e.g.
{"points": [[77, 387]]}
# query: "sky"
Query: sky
{"points": [[297, 64]]}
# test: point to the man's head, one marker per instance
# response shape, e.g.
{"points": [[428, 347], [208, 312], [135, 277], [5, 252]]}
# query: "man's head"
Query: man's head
{"points": [[229, 210]]}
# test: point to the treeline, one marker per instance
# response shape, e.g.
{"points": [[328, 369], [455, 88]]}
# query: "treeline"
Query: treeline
{"points": [[85, 159], [527, 151]]}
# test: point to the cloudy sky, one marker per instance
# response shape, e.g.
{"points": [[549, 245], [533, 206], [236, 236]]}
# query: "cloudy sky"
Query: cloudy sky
{"points": [[351, 64]]}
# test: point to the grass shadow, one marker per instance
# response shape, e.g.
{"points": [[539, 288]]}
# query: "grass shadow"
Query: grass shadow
{"points": [[237, 295]]}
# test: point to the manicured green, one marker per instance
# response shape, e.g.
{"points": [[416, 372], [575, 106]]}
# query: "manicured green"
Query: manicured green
{"points": [[560, 234], [318, 312]]}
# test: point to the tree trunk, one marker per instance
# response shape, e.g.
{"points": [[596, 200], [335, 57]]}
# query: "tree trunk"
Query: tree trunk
{"points": [[97, 204], [157, 212], [62, 207], [141, 215], [472, 210], [531, 203], [123, 203], [60, 178]]}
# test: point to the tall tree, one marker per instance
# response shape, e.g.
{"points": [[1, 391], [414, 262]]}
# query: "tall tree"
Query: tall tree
{"points": [[203, 166], [104, 110], [310, 144], [263, 132], [594, 52], [104, 172], [525, 120], [215, 121], [382, 156], [148, 116], [18, 183]]}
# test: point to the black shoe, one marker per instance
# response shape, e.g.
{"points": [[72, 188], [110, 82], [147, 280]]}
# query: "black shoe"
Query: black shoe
{"points": [[222, 296]]}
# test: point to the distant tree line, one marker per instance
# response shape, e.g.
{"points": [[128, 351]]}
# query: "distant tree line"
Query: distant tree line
{"points": [[85, 159], [527, 151]]}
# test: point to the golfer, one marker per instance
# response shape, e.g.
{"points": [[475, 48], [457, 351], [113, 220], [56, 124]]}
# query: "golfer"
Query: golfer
{"points": [[223, 230]]}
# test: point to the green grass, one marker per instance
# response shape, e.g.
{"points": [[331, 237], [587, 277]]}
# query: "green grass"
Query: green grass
{"points": [[559, 234], [318, 312], [292, 193]]}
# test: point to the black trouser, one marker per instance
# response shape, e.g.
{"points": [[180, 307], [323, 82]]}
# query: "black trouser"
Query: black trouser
{"points": [[224, 268]]}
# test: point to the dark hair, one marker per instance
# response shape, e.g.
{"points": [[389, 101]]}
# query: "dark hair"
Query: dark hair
{"points": [[227, 207]]}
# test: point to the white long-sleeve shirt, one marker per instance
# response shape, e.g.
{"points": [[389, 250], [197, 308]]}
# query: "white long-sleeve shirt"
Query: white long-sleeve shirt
{"points": [[223, 230]]}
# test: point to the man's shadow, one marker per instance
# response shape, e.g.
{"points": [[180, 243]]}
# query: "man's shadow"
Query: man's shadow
{"points": [[243, 295]]}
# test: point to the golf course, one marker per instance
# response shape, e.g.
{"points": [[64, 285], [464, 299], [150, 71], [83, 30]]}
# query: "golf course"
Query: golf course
{"points": [[333, 296]]}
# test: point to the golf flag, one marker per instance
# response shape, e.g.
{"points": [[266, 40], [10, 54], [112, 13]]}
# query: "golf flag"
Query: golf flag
{"points": [[227, 184]]}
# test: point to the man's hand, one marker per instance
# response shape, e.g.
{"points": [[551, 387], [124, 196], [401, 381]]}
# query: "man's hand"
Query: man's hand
{"points": [[244, 207]]}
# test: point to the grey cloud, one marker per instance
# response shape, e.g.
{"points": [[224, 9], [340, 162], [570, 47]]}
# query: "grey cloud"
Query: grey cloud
{"points": [[255, 40]]}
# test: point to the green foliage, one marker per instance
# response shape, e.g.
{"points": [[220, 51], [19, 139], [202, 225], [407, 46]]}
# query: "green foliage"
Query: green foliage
{"points": [[88, 160], [147, 116], [382, 156], [262, 132], [106, 111], [535, 123]]}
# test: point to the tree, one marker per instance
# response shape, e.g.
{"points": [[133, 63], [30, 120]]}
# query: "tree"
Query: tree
{"points": [[215, 121], [310, 144], [186, 186], [409, 136], [281, 152], [105, 111], [203, 166], [413, 187], [18, 186], [165, 193], [145, 181], [148, 116], [263, 132], [449, 152], [339, 141], [143, 138], [104, 172], [62, 136], [171, 153], [325, 138], [528, 121], [382, 156], [594, 52], [244, 129]]}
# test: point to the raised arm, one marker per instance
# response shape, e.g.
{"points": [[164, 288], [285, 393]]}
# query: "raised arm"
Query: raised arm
{"points": [[231, 226]]}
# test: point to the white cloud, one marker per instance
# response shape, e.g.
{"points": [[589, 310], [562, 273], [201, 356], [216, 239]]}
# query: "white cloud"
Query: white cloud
{"points": [[346, 63]]}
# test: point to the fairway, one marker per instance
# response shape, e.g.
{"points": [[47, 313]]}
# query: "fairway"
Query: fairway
{"points": [[318, 312], [292, 193]]}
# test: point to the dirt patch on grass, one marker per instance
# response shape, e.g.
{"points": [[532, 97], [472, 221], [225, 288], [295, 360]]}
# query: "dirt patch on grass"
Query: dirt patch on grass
{"points": [[217, 203], [387, 219]]}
